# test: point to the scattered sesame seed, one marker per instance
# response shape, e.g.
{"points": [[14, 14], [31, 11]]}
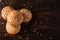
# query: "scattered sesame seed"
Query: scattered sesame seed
{"points": [[34, 30], [31, 6], [41, 34], [35, 22], [27, 38], [5, 34], [2, 23], [45, 26], [41, 26], [28, 35], [50, 37], [25, 30], [28, 2], [37, 32], [24, 5], [33, 25], [20, 37]]}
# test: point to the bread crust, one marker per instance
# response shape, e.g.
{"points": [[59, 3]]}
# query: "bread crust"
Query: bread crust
{"points": [[15, 17], [5, 11], [27, 14], [11, 29]]}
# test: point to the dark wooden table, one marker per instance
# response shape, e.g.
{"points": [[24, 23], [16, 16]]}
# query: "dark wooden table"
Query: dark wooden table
{"points": [[45, 24]]}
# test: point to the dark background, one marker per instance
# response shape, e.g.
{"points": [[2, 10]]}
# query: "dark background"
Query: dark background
{"points": [[45, 24]]}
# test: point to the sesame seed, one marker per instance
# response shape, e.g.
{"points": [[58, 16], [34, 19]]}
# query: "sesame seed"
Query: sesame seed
{"points": [[20, 37], [50, 37], [24, 5], [27, 38], [5, 34], [2, 23], [41, 34]]}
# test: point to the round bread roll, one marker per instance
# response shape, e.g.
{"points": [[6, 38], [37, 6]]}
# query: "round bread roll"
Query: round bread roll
{"points": [[5, 11], [15, 17], [27, 14], [11, 29]]}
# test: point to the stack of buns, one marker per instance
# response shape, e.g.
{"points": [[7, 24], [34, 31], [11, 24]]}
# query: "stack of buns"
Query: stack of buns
{"points": [[15, 18]]}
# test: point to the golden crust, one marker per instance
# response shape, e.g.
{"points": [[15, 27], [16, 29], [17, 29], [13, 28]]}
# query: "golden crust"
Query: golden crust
{"points": [[27, 14], [11, 29], [15, 17], [5, 11]]}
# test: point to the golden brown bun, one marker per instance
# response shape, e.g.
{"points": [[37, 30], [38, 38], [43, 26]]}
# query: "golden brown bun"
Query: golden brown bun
{"points": [[11, 29], [27, 14], [15, 17], [5, 11]]}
